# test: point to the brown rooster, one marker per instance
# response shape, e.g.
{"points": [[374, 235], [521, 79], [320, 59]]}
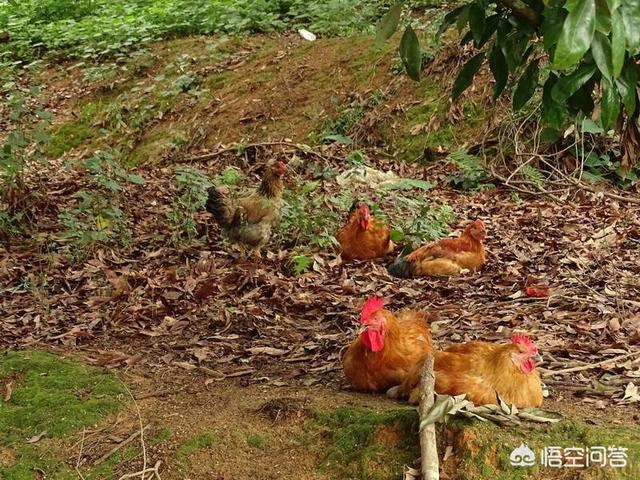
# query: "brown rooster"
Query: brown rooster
{"points": [[388, 347], [448, 256], [483, 371], [363, 237], [248, 221]]}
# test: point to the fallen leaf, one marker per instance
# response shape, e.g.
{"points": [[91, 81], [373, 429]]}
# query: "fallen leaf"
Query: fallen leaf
{"points": [[37, 438]]}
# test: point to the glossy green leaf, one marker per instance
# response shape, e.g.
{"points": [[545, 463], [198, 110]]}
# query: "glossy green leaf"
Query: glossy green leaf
{"points": [[570, 84], [410, 53], [630, 11], [627, 86], [388, 24], [601, 52], [613, 5], [516, 46], [552, 24], [499, 68], [491, 25], [465, 77], [603, 17], [553, 113], [577, 33], [526, 86], [609, 105], [476, 22], [617, 44]]}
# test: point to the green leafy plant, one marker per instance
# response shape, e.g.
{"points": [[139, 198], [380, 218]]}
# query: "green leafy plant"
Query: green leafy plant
{"points": [[97, 218], [588, 56], [472, 175], [192, 185], [24, 144]]}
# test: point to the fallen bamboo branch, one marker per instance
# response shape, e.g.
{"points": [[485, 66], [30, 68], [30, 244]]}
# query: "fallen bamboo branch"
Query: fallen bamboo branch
{"points": [[428, 447]]}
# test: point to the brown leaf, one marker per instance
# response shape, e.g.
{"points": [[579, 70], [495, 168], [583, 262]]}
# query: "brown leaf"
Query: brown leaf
{"points": [[8, 391]]}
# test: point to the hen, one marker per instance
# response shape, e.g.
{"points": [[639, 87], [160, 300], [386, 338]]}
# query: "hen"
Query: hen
{"points": [[448, 256], [483, 371], [388, 347], [248, 221], [363, 237]]}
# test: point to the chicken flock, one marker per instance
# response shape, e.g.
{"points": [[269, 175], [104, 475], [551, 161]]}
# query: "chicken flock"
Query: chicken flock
{"points": [[388, 354]]}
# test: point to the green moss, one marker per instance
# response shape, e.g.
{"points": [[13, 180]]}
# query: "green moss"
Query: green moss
{"points": [[50, 395], [72, 134], [194, 444], [366, 444]]}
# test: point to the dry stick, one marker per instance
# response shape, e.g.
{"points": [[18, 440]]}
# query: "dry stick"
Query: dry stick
{"points": [[124, 443], [80, 456], [144, 472], [590, 366], [144, 447], [211, 155], [428, 447]]}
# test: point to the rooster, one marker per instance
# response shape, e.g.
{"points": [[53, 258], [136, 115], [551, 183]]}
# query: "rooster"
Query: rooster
{"points": [[483, 371], [388, 347], [448, 256], [362, 237], [248, 221]]}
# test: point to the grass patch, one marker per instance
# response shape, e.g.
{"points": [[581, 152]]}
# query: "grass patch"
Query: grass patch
{"points": [[73, 134], [50, 395], [194, 444], [257, 441]]}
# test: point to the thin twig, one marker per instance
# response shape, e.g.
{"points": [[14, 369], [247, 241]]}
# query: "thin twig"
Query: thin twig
{"points": [[144, 472], [428, 446], [144, 448], [80, 456], [124, 443], [590, 366]]}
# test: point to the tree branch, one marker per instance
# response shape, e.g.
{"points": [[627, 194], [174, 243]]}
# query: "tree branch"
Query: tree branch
{"points": [[521, 9], [428, 447]]}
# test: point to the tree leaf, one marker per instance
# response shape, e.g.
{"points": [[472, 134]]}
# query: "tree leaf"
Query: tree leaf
{"points": [[554, 18], [601, 51], [526, 86], [499, 68], [570, 84], [476, 22], [609, 105], [410, 53], [617, 44], [577, 33], [388, 24], [630, 11], [627, 86], [465, 77], [603, 17], [449, 19], [554, 113]]}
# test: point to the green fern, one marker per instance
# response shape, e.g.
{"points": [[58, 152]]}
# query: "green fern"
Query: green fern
{"points": [[532, 175]]}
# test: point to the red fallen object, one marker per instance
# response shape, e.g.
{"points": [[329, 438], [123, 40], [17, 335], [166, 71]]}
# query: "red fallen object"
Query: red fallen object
{"points": [[540, 291]]}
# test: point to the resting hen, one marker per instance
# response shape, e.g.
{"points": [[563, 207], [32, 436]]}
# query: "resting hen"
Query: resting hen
{"points": [[388, 347], [483, 371], [363, 237], [446, 257], [248, 221]]}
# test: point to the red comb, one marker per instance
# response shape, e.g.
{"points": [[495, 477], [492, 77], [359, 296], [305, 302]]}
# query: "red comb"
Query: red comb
{"points": [[522, 339], [372, 305]]}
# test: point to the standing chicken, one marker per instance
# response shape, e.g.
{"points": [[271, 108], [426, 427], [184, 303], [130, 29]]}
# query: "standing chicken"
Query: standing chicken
{"points": [[483, 371], [388, 348], [248, 221], [363, 237], [448, 256]]}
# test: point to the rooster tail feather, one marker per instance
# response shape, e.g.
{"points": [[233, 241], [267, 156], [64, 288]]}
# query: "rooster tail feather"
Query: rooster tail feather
{"points": [[401, 268], [215, 205]]}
